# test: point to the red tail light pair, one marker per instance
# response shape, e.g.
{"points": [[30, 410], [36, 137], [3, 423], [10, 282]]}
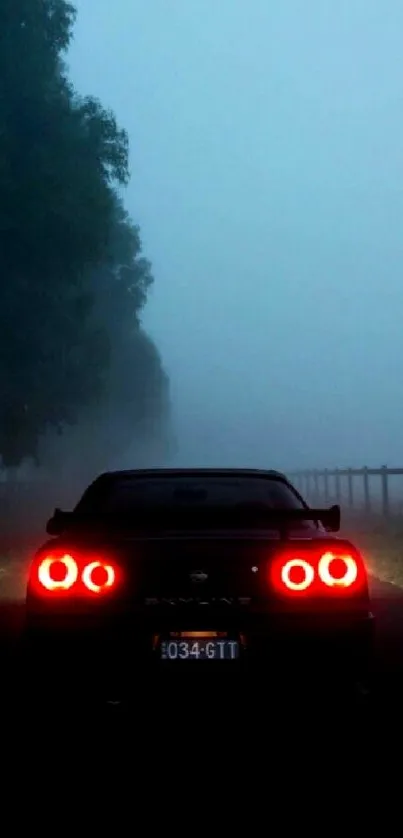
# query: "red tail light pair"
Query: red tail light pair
{"points": [[327, 571], [63, 573]]}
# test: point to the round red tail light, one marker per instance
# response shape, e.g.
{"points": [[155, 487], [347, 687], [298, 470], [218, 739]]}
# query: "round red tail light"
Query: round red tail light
{"points": [[337, 571], [98, 577], [58, 573], [297, 574]]}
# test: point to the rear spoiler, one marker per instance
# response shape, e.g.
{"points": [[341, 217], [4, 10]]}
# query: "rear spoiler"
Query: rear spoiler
{"points": [[330, 517], [248, 513]]}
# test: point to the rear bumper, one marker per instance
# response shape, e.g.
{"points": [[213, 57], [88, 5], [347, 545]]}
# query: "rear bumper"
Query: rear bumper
{"points": [[115, 656]]}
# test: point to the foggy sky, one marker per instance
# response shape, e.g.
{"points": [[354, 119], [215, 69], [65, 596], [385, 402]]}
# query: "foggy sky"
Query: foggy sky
{"points": [[267, 170]]}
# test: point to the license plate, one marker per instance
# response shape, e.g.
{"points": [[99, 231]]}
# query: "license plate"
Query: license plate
{"points": [[199, 650]]}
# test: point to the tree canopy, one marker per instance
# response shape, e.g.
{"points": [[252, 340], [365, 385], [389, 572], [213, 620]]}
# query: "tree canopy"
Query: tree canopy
{"points": [[73, 280]]}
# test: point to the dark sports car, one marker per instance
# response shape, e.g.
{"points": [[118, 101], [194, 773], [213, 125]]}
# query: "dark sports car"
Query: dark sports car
{"points": [[196, 572]]}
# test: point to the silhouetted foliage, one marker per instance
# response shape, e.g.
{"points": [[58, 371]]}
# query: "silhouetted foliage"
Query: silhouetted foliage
{"points": [[72, 277]]}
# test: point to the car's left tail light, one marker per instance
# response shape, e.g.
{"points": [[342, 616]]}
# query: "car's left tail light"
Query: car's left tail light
{"points": [[98, 576], [70, 575], [58, 573]]}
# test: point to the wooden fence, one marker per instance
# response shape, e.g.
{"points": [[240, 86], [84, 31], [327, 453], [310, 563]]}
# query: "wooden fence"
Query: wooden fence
{"points": [[370, 490]]}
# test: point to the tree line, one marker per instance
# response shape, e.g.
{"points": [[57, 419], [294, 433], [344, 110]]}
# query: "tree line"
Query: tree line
{"points": [[73, 277]]}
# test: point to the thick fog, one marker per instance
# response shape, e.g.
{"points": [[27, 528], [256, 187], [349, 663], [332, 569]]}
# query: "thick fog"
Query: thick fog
{"points": [[267, 170]]}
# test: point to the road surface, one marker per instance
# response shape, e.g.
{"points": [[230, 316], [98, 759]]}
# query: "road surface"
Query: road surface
{"points": [[387, 603]]}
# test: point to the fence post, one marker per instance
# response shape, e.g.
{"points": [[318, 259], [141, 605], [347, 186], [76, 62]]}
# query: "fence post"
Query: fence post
{"points": [[385, 491], [326, 482], [316, 485], [350, 488], [308, 485], [367, 497], [337, 486]]}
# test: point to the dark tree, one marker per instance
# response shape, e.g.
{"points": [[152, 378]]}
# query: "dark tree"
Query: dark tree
{"points": [[132, 415], [66, 243]]}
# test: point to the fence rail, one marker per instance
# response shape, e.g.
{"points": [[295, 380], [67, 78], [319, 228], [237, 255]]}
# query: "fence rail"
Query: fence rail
{"points": [[366, 489]]}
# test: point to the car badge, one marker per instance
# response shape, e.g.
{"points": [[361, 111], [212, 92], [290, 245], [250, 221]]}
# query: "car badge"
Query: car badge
{"points": [[198, 576]]}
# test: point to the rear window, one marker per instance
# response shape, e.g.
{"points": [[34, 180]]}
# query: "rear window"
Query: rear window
{"points": [[130, 494]]}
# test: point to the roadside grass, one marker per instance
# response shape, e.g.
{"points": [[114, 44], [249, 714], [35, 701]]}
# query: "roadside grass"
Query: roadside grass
{"points": [[381, 544], [384, 557], [13, 575]]}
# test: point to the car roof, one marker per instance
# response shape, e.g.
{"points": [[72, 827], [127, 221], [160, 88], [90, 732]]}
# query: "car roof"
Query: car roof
{"points": [[110, 479], [239, 479], [123, 474]]}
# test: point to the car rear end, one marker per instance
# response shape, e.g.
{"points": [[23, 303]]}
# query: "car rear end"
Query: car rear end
{"points": [[105, 616]]}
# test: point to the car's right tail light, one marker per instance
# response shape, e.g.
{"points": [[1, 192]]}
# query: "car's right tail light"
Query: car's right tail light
{"points": [[309, 571], [67, 574], [297, 574], [337, 571]]}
